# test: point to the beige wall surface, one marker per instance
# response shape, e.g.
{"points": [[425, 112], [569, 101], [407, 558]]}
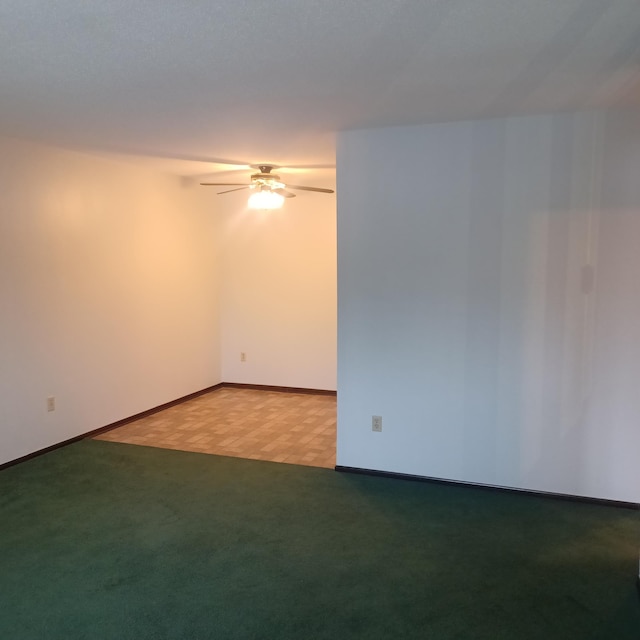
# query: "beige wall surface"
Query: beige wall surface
{"points": [[278, 292], [108, 293]]}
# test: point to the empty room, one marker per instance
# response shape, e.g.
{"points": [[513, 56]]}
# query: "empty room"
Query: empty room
{"points": [[320, 320]]}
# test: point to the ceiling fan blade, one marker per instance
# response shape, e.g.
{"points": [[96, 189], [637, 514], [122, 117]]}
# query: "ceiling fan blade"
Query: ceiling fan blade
{"points": [[222, 184], [285, 194], [293, 186], [230, 190]]}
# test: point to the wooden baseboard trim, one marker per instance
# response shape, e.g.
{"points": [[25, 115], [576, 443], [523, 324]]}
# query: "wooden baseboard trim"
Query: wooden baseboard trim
{"points": [[488, 487], [109, 427], [150, 412], [266, 387]]}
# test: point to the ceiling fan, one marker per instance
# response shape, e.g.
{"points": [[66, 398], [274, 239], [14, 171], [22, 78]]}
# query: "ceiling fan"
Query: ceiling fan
{"points": [[269, 190]]}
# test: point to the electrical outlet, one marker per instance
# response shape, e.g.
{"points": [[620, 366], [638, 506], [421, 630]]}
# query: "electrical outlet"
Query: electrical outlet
{"points": [[376, 423], [243, 356], [51, 403]]}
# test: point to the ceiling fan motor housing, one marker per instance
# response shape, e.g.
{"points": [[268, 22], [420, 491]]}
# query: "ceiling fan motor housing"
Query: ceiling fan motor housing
{"points": [[266, 177], [266, 180]]}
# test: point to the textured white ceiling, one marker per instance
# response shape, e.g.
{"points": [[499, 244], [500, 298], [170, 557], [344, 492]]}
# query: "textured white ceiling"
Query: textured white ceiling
{"points": [[250, 80]]}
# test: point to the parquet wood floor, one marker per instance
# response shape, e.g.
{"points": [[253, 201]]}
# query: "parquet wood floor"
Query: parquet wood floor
{"points": [[262, 425]]}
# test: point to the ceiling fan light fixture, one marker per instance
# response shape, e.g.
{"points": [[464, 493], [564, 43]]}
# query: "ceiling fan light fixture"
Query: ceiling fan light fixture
{"points": [[269, 192], [265, 199]]}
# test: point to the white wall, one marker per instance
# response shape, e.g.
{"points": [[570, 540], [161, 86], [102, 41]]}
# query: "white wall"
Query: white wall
{"points": [[108, 293], [466, 317], [278, 290]]}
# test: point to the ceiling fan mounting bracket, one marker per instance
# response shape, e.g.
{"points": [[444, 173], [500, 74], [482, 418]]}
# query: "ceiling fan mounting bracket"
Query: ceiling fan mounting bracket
{"points": [[264, 168]]}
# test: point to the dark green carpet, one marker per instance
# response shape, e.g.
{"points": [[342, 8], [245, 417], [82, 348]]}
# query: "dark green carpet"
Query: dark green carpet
{"points": [[103, 540]]}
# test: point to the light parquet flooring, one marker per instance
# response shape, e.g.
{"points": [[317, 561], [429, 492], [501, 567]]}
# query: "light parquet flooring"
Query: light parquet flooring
{"points": [[262, 425]]}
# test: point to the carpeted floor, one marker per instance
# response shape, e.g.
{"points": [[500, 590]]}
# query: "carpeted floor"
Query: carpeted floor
{"points": [[101, 540]]}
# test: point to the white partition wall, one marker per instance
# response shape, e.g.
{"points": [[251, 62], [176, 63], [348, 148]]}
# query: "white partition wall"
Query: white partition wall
{"points": [[489, 302]]}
